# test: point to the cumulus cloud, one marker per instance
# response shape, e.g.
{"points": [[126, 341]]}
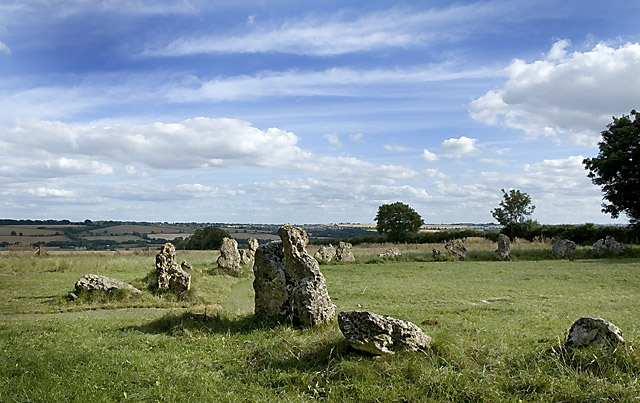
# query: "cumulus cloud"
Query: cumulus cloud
{"points": [[4, 48], [456, 148], [333, 139], [429, 156], [568, 96]]}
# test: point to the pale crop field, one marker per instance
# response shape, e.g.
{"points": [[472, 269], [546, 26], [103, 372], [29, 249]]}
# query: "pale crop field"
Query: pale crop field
{"points": [[498, 330]]}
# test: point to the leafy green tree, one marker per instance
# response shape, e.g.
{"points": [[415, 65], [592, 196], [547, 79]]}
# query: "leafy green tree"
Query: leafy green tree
{"points": [[616, 168], [207, 238], [514, 213], [397, 221]]}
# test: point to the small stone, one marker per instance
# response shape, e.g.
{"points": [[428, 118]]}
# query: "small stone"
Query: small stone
{"points": [[343, 252], [377, 334], [185, 266], [587, 331], [439, 256], [390, 253], [326, 253], [456, 248], [563, 248], [95, 282]]}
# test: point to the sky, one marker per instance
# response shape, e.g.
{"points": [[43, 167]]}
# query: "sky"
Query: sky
{"points": [[255, 111]]}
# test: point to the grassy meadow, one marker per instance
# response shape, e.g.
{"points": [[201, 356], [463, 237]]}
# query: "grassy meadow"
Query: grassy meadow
{"points": [[498, 330]]}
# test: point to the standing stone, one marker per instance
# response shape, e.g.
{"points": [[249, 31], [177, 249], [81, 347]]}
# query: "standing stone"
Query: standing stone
{"points": [[169, 275], [229, 259], [598, 248], [390, 253], [95, 282], [504, 248], [288, 283], [325, 253], [247, 255], [377, 334], [586, 331], [614, 246], [563, 248], [439, 256], [456, 248], [343, 252]]}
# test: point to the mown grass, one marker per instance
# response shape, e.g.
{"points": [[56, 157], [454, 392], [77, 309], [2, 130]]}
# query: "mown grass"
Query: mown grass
{"points": [[498, 330]]}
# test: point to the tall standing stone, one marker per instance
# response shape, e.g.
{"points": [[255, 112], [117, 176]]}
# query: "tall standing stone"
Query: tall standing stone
{"points": [[504, 248], [169, 274], [563, 248], [456, 248], [288, 283], [343, 252], [229, 259]]}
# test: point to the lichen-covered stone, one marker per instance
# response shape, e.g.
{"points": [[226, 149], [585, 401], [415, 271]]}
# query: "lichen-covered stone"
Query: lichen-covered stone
{"points": [[326, 253], [344, 253], [288, 283], [390, 253], [185, 266], [229, 258], [607, 245], [247, 255], [96, 282], [438, 255], [504, 248], [377, 334], [563, 248], [169, 275], [456, 248], [587, 331]]}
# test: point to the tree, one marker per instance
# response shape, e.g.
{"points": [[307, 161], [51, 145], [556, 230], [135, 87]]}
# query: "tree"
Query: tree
{"points": [[207, 238], [397, 221], [514, 212], [616, 168]]}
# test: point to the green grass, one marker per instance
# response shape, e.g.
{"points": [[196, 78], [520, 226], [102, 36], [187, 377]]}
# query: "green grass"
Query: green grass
{"points": [[498, 330]]}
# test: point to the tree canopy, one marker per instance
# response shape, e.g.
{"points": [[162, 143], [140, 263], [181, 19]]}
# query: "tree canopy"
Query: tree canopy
{"points": [[514, 213], [616, 168], [397, 221], [207, 238]]}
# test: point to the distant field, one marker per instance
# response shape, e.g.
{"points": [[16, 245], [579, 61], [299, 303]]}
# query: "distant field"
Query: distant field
{"points": [[498, 330]]}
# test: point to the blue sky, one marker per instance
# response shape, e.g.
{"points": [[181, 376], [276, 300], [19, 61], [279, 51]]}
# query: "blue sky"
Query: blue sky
{"points": [[308, 112]]}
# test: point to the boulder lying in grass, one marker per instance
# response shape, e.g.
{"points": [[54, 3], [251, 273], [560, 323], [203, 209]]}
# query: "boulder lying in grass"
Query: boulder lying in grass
{"points": [[169, 275], [94, 282], [288, 283], [587, 331], [456, 248], [563, 248], [377, 334], [230, 259], [390, 253], [343, 252], [504, 248], [325, 254], [439, 256], [607, 245]]}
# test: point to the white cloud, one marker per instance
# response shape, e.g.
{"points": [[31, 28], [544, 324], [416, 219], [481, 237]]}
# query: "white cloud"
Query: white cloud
{"points": [[356, 136], [456, 148], [333, 139], [340, 33], [570, 96], [4, 48], [429, 156], [49, 192], [395, 148]]}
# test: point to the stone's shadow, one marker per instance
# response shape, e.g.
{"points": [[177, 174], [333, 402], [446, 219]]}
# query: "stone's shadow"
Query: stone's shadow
{"points": [[313, 358], [216, 322]]}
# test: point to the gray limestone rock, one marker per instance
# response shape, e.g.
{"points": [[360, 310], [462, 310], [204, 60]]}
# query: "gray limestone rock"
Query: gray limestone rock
{"points": [[456, 248], [247, 255], [598, 248], [390, 253], [229, 259], [504, 248], [325, 253], [377, 334], [343, 252], [95, 282], [563, 248], [169, 275], [288, 283], [607, 245], [439, 256], [586, 331]]}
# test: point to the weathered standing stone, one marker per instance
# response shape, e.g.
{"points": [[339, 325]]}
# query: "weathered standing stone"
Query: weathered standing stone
{"points": [[325, 253], [343, 252], [598, 248], [288, 283], [95, 282], [504, 248], [456, 248], [169, 275], [377, 334], [614, 246], [247, 255], [390, 253], [586, 331], [563, 247], [229, 258]]}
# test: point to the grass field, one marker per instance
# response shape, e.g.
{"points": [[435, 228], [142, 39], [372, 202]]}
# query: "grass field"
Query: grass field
{"points": [[498, 330]]}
